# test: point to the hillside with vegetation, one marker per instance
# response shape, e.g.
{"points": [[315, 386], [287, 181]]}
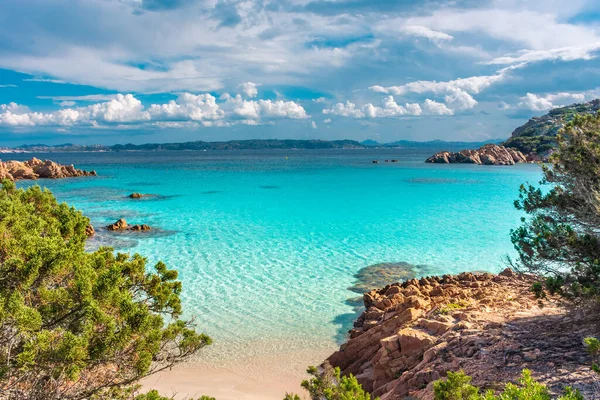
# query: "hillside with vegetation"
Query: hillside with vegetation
{"points": [[538, 135]]}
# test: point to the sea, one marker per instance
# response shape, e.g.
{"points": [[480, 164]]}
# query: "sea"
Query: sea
{"points": [[267, 243]]}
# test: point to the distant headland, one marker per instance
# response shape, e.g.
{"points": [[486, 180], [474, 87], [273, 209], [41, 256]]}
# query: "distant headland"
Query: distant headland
{"points": [[251, 144]]}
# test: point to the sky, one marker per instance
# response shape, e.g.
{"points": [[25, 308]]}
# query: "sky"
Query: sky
{"points": [[137, 71]]}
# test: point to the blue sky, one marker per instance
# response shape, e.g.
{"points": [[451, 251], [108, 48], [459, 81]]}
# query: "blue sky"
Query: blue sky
{"points": [[115, 71]]}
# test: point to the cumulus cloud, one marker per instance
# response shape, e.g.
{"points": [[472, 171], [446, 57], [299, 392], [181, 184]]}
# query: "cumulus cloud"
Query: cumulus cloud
{"points": [[249, 89], [389, 109], [549, 101], [473, 84], [188, 109], [256, 109], [435, 108], [122, 109]]}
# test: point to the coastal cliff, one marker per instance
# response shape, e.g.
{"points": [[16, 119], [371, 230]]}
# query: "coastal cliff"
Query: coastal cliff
{"points": [[490, 326], [35, 169], [490, 154], [538, 135]]}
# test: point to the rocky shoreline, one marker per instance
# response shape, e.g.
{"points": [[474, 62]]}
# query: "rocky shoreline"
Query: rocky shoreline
{"points": [[490, 326], [36, 169], [490, 154]]}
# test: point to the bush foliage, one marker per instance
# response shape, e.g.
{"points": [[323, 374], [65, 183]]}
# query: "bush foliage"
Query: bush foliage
{"points": [[75, 324], [458, 386], [329, 385], [561, 237]]}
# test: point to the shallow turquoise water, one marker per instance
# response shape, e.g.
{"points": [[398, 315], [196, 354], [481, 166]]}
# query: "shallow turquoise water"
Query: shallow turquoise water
{"points": [[267, 245]]}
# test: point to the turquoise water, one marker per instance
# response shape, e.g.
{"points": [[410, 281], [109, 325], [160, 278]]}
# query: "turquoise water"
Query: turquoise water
{"points": [[267, 243]]}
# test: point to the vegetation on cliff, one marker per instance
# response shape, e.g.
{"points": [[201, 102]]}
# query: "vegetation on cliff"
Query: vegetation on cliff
{"points": [[458, 387], [77, 325], [561, 237], [539, 134]]}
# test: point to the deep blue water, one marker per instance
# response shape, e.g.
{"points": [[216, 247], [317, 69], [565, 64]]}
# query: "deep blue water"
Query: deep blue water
{"points": [[267, 242]]}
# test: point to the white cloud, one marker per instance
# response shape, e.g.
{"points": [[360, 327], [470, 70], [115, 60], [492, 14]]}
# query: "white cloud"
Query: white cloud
{"points": [[534, 28], [8, 86], [67, 103], [459, 99], [249, 89], [549, 101], [586, 52], [435, 108], [327, 121], [187, 110], [345, 110], [188, 107], [473, 84], [256, 109], [88, 97], [425, 32], [389, 109], [319, 100], [313, 124]]}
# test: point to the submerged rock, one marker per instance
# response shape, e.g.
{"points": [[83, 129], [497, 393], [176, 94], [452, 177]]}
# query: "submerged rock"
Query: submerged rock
{"points": [[142, 227], [490, 154], [121, 225], [378, 275], [137, 195], [36, 168]]}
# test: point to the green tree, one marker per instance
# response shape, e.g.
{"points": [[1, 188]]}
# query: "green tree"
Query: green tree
{"points": [[561, 236], [328, 384], [75, 324], [458, 386]]}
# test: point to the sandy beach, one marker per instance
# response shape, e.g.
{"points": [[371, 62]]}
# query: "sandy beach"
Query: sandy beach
{"points": [[260, 377]]}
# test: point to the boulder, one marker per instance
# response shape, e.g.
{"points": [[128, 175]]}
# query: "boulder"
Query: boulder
{"points": [[36, 168], [90, 231], [142, 227], [136, 195], [490, 154], [120, 225]]}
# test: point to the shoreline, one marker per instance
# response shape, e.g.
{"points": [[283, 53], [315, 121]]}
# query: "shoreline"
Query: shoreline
{"points": [[238, 379]]}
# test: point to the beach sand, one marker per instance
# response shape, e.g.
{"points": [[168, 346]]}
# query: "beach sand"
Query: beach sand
{"points": [[261, 377]]}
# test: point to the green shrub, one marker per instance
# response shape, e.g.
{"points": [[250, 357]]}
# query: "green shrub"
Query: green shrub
{"points": [[330, 385], [75, 324], [457, 386], [560, 238]]}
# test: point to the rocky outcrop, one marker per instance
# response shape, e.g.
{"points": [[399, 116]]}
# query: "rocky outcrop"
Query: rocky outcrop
{"points": [[121, 225], [490, 326], [89, 230], [490, 154], [538, 136], [137, 195], [35, 169]]}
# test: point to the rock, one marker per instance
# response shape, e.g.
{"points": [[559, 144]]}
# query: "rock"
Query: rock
{"points": [[35, 168], [413, 332], [490, 154], [375, 162], [120, 225], [142, 227], [507, 272], [136, 195], [90, 231]]}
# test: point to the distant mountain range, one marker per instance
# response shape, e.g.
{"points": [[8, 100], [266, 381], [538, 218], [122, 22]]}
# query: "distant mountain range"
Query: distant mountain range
{"points": [[238, 145]]}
